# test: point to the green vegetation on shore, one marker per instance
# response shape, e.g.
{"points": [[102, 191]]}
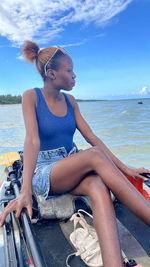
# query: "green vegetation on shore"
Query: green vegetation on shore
{"points": [[10, 99]]}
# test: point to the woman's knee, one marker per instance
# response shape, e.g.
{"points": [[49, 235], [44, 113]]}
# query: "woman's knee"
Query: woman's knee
{"points": [[97, 156]]}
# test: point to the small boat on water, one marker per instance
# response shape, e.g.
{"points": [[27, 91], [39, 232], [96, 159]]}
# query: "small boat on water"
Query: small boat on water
{"points": [[42, 242]]}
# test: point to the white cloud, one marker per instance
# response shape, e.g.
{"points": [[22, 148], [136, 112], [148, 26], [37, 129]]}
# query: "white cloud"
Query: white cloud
{"points": [[75, 44], [144, 92], [20, 57], [43, 20]]}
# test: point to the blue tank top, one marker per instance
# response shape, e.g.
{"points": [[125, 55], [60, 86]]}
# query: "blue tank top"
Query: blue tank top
{"points": [[54, 131]]}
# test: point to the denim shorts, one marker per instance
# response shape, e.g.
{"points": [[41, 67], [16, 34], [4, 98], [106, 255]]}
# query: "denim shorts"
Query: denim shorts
{"points": [[45, 161]]}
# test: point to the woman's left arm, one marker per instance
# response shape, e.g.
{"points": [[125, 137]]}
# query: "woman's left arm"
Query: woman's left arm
{"points": [[93, 140]]}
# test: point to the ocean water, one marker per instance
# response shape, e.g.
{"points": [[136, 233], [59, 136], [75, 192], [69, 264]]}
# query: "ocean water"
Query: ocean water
{"points": [[124, 126]]}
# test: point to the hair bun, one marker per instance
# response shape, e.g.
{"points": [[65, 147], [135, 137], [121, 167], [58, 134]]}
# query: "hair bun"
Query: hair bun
{"points": [[30, 51]]}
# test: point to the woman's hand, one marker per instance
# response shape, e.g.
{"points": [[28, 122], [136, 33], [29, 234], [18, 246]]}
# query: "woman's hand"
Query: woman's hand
{"points": [[24, 200], [136, 173]]}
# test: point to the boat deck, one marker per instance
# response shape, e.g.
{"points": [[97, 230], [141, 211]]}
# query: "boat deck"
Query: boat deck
{"points": [[53, 237]]}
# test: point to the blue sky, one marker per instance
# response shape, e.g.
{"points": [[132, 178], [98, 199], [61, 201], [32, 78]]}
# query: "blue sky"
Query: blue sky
{"points": [[108, 40]]}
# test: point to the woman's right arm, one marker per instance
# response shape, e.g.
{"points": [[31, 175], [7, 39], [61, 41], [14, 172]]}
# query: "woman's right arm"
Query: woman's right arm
{"points": [[31, 148], [32, 143]]}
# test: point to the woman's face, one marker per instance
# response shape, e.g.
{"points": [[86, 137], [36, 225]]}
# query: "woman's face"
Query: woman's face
{"points": [[65, 77]]}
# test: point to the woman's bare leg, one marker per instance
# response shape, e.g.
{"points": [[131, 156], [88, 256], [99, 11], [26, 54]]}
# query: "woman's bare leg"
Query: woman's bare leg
{"points": [[67, 173], [103, 217]]}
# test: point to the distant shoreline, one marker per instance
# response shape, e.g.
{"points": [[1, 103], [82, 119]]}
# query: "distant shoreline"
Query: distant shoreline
{"points": [[9, 99]]}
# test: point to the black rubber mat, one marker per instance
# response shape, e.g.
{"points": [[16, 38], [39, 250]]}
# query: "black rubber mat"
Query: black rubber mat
{"points": [[54, 246], [134, 225]]}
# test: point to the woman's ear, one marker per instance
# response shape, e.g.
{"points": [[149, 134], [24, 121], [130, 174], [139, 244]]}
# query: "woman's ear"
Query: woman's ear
{"points": [[51, 74]]}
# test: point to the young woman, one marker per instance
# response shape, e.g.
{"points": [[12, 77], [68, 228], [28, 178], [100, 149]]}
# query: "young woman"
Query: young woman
{"points": [[51, 165]]}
